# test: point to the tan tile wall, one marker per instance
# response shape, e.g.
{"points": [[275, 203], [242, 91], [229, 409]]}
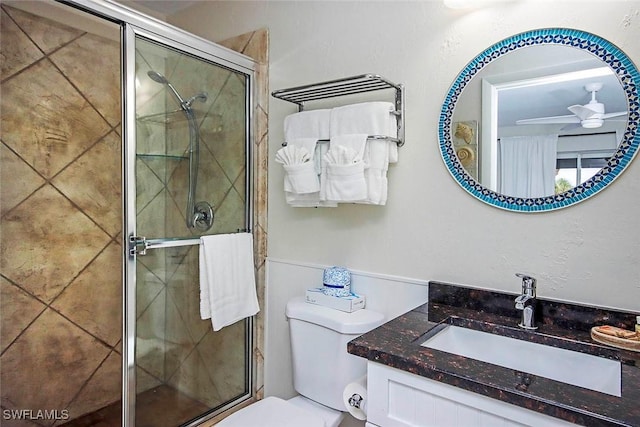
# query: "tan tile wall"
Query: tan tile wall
{"points": [[60, 202], [60, 199]]}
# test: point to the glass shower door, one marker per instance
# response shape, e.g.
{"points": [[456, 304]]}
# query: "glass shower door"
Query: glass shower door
{"points": [[191, 179]]}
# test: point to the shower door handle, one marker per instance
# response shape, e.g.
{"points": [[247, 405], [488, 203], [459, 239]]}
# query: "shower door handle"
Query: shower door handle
{"points": [[137, 245]]}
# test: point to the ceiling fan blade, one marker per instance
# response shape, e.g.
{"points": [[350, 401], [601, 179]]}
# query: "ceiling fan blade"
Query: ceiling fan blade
{"points": [[583, 111], [616, 114], [549, 120]]}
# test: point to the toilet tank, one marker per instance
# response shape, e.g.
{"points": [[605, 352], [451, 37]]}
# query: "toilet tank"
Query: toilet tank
{"points": [[319, 336]]}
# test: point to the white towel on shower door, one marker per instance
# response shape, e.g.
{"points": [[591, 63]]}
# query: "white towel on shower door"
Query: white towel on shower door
{"points": [[227, 279]]}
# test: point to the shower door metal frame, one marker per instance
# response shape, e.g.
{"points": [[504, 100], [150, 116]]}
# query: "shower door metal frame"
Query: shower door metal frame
{"points": [[135, 24]]}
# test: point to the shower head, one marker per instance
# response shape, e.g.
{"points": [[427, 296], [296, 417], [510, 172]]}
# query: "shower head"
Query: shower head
{"points": [[159, 78]]}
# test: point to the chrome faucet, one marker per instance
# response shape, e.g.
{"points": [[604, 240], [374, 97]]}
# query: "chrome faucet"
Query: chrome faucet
{"points": [[527, 302]]}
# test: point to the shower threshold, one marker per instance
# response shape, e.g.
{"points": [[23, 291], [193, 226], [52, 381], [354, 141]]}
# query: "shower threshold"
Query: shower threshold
{"points": [[162, 406]]}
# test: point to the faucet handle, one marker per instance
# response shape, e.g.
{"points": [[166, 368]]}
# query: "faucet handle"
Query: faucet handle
{"points": [[528, 284], [520, 301]]}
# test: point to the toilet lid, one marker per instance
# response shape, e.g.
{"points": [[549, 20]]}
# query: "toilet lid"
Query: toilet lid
{"points": [[272, 412]]}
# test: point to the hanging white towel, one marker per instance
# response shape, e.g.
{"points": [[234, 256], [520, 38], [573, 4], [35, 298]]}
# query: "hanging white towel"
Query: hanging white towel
{"points": [[376, 164], [372, 118], [227, 279], [307, 124]]}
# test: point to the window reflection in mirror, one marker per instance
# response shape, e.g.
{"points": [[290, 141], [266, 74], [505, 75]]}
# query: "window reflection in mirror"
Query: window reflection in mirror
{"points": [[528, 92]]}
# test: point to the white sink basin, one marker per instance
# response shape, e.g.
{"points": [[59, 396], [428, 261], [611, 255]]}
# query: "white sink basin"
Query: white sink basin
{"points": [[571, 367]]}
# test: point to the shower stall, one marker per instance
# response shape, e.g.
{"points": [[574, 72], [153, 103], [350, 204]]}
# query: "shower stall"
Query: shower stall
{"points": [[135, 139]]}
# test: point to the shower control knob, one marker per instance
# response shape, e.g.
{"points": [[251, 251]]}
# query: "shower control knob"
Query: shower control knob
{"points": [[203, 216]]}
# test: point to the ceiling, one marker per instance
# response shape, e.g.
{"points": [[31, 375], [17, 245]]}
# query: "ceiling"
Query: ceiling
{"points": [[525, 101], [552, 98], [543, 81], [165, 7]]}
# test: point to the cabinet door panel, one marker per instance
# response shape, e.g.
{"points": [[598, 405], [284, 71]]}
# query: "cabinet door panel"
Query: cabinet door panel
{"points": [[400, 399]]}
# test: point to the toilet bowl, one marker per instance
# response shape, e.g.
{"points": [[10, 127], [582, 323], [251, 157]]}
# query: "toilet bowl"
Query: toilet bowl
{"points": [[275, 412], [321, 369]]}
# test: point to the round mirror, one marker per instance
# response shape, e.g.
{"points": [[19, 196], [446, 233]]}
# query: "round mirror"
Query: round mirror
{"points": [[541, 120]]}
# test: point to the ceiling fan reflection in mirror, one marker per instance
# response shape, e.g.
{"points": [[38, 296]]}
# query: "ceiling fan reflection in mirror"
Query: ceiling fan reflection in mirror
{"points": [[590, 116]]}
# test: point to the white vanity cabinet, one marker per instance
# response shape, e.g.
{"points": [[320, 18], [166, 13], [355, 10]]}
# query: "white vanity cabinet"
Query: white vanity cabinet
{"points": [[397, 399]]}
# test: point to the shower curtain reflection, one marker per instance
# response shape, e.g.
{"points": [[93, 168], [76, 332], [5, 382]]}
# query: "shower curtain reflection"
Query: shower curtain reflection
{"points": [[528, 165]]}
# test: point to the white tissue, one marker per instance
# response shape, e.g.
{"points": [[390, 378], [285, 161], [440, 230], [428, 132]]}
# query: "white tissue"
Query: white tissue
{"points": [[354, 398]]}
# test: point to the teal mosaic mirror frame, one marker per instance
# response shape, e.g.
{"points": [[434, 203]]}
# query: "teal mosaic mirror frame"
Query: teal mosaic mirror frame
{"points": [[607, 52]]}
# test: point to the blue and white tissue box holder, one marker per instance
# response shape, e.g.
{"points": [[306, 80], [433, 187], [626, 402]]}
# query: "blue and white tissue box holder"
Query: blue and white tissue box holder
{"points": [[349, 303], [336, 282]]}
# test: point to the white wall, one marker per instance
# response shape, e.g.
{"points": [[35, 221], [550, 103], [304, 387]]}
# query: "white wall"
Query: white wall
{"points": [[431, 228]]}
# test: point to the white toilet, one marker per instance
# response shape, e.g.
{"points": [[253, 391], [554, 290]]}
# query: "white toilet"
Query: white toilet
{"points": [[321, 369]]}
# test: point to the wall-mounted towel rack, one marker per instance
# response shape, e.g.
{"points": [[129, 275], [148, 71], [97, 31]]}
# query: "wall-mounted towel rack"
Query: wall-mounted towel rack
{"points": [[347, 86]]}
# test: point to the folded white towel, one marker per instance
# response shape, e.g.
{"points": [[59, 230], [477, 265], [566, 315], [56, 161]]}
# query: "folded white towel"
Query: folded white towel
{"points": [[345, 149], [309, 144], [292, 155], [227, 279], [312, 200], [301, 178], [300, 173], [340, 155], [307, 124], [344, 178], [345, 183]]}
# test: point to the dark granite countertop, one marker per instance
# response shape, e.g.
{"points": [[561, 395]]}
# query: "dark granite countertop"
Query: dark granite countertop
{"points": [[397, 344]]}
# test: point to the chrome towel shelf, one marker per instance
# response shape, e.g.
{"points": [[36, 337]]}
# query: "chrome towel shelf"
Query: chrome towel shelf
{"points": [[347, 86]]}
